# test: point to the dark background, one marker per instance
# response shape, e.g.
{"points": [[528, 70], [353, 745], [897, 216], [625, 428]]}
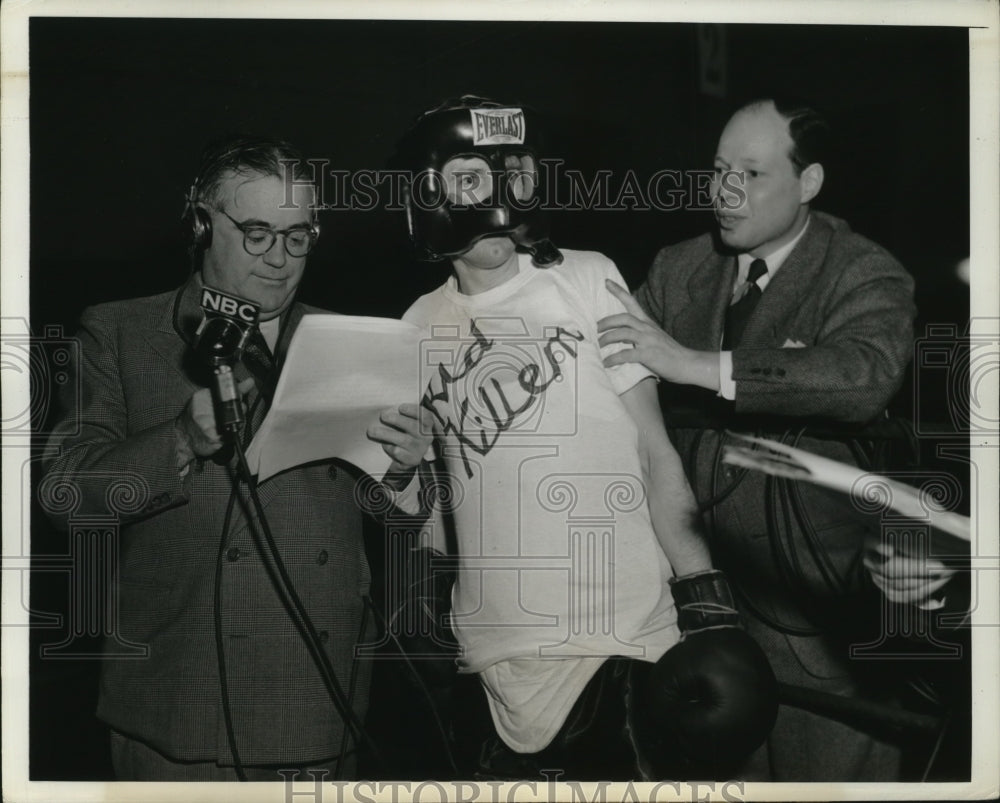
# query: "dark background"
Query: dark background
{"points": [[120, 109]]}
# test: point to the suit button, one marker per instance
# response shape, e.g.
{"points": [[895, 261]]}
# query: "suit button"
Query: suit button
{"points": [[322, 557], [324, 636], [767, 372], [233, 553], [755, 370], [780, 371], [332, 472]]}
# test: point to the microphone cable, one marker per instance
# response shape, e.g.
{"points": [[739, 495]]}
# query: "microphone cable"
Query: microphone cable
{"points": [[220, 650], [289, 597], [352, 684], [271, 557]]}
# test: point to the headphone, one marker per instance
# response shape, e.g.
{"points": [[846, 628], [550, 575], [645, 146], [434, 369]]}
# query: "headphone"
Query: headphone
{"points": [[199, 221]]}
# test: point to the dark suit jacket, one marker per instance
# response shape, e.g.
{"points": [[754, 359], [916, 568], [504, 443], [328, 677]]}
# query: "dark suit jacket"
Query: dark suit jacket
{"points": [[825, 350], [136, 378]]}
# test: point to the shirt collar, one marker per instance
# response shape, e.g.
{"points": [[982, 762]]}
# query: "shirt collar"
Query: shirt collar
{"points": [[774, 262], [269, 330]]}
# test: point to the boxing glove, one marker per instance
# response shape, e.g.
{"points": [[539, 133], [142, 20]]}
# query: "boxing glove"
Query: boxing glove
{"points": [[712, 698]]}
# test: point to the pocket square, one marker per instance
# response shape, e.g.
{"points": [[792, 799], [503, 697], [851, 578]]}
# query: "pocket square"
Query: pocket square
{"points": [[793, 344]]}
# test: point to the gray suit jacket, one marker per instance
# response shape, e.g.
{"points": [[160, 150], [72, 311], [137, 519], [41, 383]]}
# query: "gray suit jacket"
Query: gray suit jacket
{"points": [[849, 305], [137, 375]]}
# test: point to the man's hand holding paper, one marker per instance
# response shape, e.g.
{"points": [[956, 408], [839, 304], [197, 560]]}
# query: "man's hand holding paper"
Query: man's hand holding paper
{"points": [[905, 578], [406, 434]]}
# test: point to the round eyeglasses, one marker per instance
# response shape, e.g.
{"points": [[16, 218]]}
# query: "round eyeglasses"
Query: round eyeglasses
{"points": [[258, 239]]}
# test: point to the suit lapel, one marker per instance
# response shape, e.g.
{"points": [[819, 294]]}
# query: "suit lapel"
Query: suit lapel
{"points": [[163, 337], [700, 323], [790, 285]]}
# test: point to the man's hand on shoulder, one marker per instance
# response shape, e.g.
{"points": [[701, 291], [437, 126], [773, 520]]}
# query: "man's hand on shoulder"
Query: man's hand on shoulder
{"points": [[653, 347]]}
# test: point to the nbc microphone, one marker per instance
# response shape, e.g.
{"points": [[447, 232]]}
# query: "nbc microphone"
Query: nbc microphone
{"points": [[228, 323]]}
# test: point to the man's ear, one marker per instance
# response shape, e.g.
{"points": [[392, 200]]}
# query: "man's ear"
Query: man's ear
{"points": [[810, 182]]}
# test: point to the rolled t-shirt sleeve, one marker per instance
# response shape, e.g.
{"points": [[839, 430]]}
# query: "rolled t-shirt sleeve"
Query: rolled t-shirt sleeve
{"points": [[628, 375]]}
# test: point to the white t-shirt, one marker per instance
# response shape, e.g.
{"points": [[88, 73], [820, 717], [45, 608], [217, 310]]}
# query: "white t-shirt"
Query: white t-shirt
{"points": [[559, 564]]}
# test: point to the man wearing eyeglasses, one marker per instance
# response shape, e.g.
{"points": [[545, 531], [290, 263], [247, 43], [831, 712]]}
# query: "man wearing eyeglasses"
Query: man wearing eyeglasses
{"points": [[207, 676], [251, 243]]}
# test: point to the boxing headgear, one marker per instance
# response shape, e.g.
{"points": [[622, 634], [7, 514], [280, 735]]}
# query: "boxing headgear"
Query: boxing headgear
{"points": [[504, 140]]}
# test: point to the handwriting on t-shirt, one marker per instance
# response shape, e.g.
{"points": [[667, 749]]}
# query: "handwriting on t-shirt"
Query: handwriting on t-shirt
{"points": [[451, 406]]}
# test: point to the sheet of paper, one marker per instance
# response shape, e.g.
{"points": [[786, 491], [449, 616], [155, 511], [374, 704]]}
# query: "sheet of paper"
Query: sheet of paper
{"points": [[340, 373], [866, 487]]}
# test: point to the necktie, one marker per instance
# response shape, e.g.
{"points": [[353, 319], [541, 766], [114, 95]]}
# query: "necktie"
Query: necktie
{"points": [[260, 363], [739, 313]]}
